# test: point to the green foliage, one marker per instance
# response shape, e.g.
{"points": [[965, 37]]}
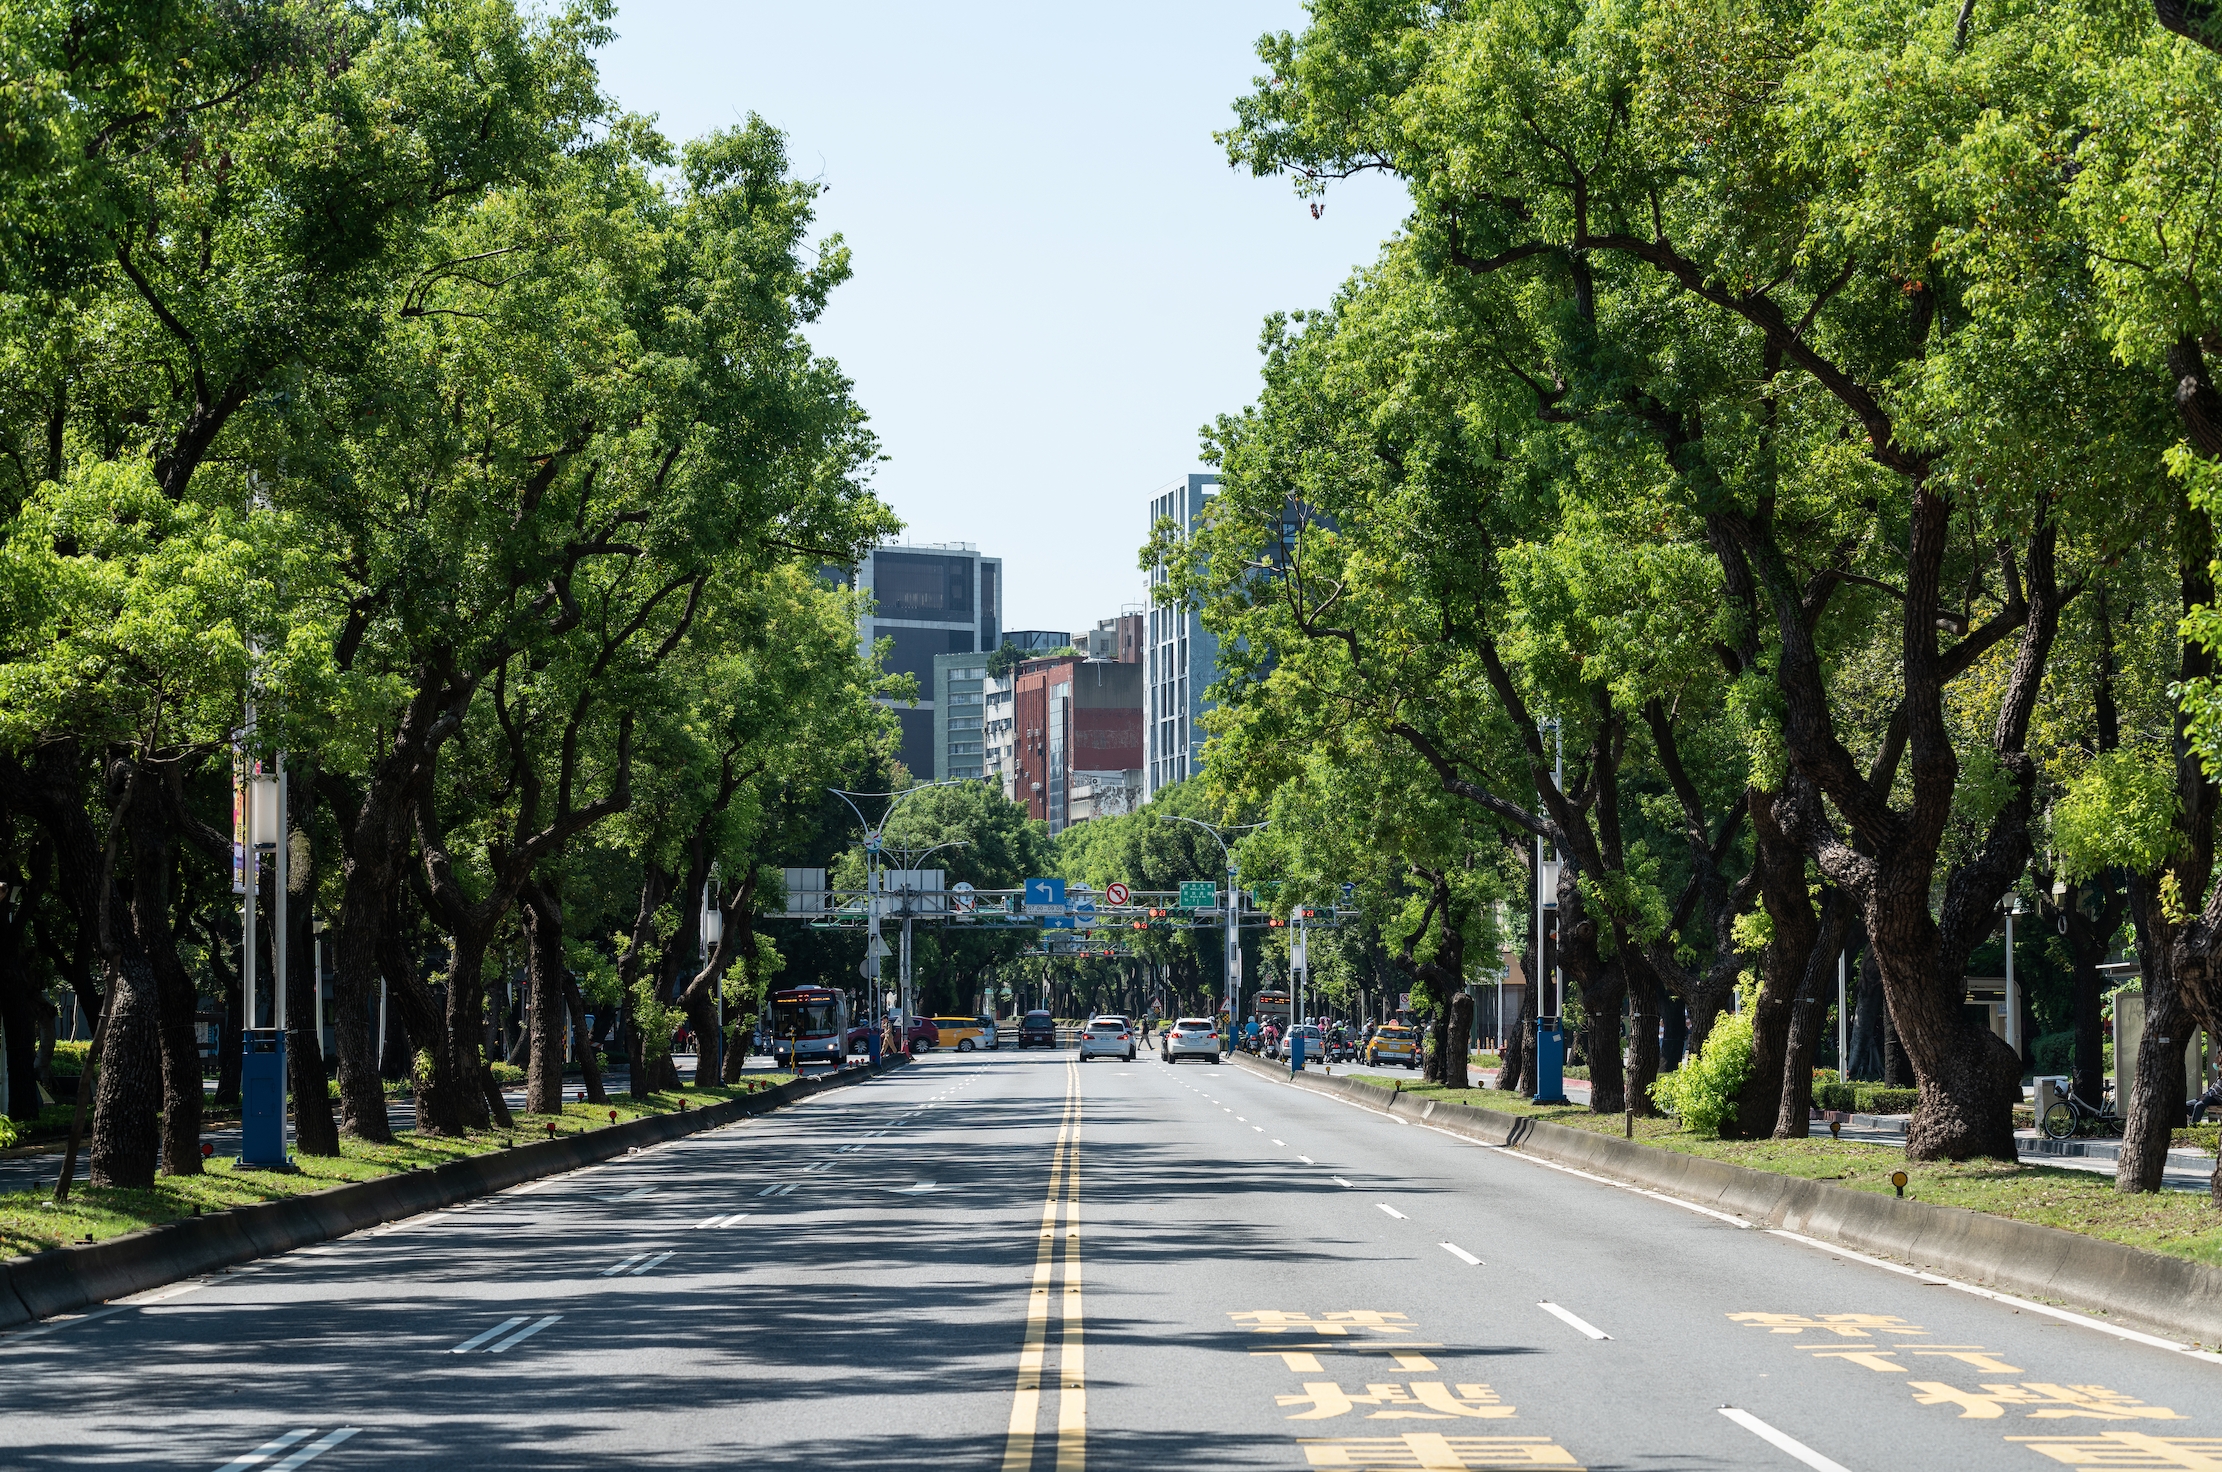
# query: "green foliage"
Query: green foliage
{"points": [[1839, 1097], [1702, 1092], [1880, 1099], [2119, 810], [655, 1022], [2053, 1052]]}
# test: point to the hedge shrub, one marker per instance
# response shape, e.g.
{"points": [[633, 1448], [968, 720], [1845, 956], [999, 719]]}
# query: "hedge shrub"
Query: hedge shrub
{"points": [[1882, 1099], [1702, 1092]]}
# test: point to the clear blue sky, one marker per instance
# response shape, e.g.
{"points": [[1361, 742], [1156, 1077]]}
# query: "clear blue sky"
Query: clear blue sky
{"points": [[1058, 278]]}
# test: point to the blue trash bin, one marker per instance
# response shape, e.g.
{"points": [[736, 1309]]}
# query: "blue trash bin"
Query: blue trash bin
{"points": [[262, 1098], [1550, 1062]]}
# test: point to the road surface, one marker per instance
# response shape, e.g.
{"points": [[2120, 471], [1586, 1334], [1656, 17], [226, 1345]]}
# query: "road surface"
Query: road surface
{"points": [[1017, 1262]]}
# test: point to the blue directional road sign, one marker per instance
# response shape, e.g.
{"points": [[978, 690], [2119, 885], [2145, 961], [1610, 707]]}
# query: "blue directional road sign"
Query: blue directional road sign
{"points": [[1046, 898]]}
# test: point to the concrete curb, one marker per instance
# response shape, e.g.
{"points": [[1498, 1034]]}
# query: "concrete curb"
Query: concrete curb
{"points": [[2142, 1290], [70, 1278]]}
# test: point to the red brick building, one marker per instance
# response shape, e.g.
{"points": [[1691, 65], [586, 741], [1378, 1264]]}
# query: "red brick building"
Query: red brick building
{"points": [[1074, 719]]}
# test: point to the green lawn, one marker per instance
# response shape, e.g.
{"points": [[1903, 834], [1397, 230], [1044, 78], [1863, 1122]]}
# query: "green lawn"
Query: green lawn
{"points": [[2179, 1223], [31, 1222]]}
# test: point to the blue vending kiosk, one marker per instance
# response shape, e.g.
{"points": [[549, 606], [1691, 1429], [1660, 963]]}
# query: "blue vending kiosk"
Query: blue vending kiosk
{"points": [[1550, 1062], [262, 1099]]}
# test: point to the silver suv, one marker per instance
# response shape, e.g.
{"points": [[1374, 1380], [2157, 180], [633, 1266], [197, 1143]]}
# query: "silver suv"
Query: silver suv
{"points": [[1192, 1037]]}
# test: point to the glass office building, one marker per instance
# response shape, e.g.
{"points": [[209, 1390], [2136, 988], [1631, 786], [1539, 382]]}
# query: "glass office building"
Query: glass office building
{"points": [[1180, 656], [929, 600]]}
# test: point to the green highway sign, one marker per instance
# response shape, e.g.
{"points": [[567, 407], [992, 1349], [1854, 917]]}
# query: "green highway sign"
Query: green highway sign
{"points": [[1199, 894]]}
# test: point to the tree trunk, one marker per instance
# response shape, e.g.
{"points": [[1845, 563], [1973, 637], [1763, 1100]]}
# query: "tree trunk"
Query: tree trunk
{"points": [[590, 1067], [1459, 1037], [1603, 988], [1896, 1073], [1512, 1048], [1869, 1020], [20, 1001], [1643, 1036], [315, 1132], [1809, 1018], [544, 938], [1783, 969], [230, 1033], [466, 1026], [151, 863], [2155, 1105], [127, 1096], [376, 827]]}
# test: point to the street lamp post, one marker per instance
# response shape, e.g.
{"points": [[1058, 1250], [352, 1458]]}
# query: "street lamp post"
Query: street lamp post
{"points": [[908, 911], [2012, 906], [872, 832], [713, 935]]}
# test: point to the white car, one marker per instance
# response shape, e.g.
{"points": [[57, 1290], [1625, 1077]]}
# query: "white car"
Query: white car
{"points": [[1192, 1037], [1113, 1036]]}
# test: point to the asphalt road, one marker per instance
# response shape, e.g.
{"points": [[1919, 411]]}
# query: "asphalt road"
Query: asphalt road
{"points": [[1014, 1261]]}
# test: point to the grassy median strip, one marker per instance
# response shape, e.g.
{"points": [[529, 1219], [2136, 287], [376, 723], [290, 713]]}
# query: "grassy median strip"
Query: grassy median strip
{"points": [[2178, 1223], [31, 1222]]}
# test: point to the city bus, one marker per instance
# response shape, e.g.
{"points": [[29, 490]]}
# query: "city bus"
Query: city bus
{"points": [[809, 1024], [1272, 1007]]}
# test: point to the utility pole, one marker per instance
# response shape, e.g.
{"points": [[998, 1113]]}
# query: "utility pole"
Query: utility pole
{"points": [[1234, 914], [872, 892]]}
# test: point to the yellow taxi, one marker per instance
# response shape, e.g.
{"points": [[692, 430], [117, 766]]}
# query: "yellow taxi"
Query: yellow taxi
{"points": [[1393, 1044], [964, 1034]]}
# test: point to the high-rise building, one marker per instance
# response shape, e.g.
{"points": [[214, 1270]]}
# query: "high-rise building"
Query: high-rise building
{"points": [[929, 599], [998, 725], [1180, 658], [960, 699]]}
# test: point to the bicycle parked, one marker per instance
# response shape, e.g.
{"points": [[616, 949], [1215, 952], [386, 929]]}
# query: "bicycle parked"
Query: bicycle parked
{"points": [[2069, 1115]]}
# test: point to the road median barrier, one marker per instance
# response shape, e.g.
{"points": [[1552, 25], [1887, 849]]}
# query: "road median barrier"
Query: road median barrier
{"points": [[65, 1279], [2128, 1286]]}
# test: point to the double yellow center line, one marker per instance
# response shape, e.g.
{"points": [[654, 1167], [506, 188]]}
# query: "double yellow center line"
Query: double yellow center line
{"points": [[1072, 1394]]}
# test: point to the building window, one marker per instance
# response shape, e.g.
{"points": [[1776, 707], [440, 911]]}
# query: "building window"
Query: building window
{"points": [[921, 585]]}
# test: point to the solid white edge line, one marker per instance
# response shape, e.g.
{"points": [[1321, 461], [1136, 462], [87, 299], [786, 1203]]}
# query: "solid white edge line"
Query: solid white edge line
{"points": [[477, 1339], [1385, 1206], [316, 1448], [1460, 1253], [1582, 1324], [2065, 1315], [267, 1450], [1790, 1444]]}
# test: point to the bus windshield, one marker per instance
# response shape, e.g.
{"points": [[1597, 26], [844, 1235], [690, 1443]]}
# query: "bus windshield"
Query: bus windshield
{"points": [[812, 1017]]}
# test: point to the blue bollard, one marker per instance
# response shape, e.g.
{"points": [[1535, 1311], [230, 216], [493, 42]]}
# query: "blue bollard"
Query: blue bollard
{"points": [[262, 1100], [1550, 1062], [1296, 1054]]}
